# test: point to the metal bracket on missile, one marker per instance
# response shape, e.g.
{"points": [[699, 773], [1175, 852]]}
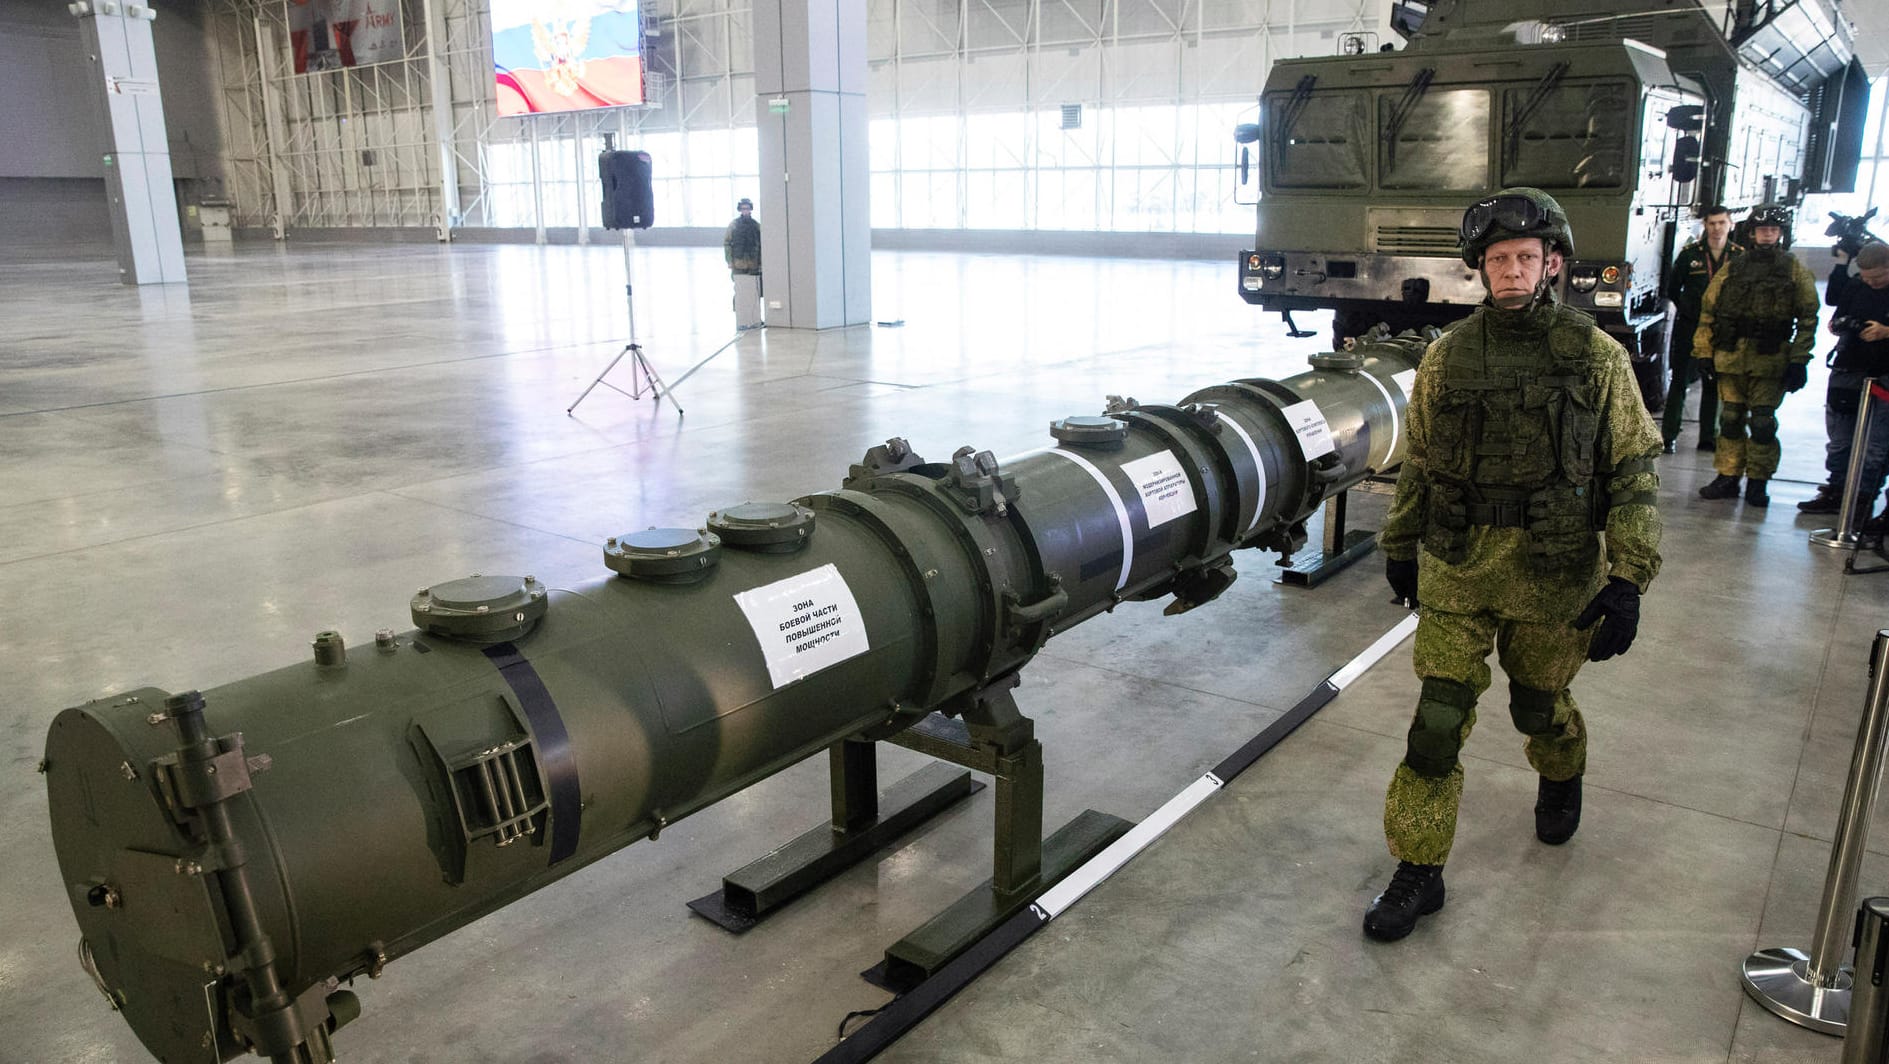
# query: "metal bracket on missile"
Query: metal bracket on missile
{"points": [[863, 824], [993, 737], [1340, 547]]}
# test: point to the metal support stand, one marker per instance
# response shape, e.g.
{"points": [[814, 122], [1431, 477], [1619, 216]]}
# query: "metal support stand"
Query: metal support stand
{"points": [[862, 825], [1341, 547], [993, 737], [642, 374], [1867, 1039], [1843, 536], [1813, 990]]}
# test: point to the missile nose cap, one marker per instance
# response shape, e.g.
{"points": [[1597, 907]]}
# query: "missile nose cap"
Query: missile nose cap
{"points": [[664, 555]]}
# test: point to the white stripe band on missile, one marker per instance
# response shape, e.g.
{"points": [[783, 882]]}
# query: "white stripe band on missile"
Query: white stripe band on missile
{"points": [[1259, 467], [1388, 401], [1054, 901], [1115, 500]]}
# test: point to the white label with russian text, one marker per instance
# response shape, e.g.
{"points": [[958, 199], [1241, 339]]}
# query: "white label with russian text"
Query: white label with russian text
{"points": [[804, 623], [1406, 381], [1165, 491], [1314, 433]]}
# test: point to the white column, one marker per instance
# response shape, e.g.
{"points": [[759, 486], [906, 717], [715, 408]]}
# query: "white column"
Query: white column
{"points": [[137, 159], [810, 108]]}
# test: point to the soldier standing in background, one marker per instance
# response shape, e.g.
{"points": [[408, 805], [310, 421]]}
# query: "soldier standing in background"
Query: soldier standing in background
{"points": [[1699, 261], [1757, 324], [741, 249], [1528, 446]]}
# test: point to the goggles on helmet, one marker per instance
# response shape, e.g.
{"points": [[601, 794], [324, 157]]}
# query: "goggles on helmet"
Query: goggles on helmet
{"points": [[1515, 214], [1770, 214]]}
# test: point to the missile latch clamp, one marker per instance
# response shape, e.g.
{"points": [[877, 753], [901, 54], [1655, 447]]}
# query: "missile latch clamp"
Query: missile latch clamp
{"points": [[977, 484]]}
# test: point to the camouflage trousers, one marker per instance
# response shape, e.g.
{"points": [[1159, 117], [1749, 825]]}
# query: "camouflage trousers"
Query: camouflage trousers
{"points": [[1748, 408], [1451, 658]]}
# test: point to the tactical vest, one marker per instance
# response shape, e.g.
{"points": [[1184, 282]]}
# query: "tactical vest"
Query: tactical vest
{"points": [[1757, 302], [1513, 433]]}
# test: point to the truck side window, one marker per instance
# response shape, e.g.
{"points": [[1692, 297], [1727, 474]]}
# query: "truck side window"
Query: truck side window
{"points": [[1322, 145], [1574, 137]]}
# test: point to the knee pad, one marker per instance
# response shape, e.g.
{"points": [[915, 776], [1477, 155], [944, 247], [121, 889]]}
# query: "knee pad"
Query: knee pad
{"points": [[1731, 421], [1531, 708], [1436, 736], [1764, 424]]}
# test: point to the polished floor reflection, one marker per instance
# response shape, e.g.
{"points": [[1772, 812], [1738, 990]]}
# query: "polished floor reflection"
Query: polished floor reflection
{"points": [[194, 482]]}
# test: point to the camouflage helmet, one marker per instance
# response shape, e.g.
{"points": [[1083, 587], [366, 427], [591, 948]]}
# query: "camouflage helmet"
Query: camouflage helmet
{"points": [[1772, 214], [1511, 213]]}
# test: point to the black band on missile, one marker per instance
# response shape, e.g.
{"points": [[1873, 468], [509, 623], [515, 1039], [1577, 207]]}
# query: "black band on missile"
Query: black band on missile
{"points": [[554, 745], [904, 1012], [1242, 759]]}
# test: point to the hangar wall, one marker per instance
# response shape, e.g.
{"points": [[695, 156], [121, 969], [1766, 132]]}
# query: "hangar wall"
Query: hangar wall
{"points": [[968, 107], [52, 192]]}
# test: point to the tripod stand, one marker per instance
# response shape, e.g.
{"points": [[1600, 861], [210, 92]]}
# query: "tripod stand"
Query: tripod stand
{"points": [[642, 375]]}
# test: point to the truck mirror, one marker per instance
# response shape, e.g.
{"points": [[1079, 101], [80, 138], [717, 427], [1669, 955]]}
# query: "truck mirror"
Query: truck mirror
{"points": [[1246, 133], [1685, 166], [1690, 118]]}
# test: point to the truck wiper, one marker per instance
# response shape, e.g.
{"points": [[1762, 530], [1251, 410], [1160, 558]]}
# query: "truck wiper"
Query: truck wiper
{"points": [[1401, 113], [1512, 134], [1301, 95]]}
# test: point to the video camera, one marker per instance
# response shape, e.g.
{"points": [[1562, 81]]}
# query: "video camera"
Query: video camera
{"points": [[1851, 231]]}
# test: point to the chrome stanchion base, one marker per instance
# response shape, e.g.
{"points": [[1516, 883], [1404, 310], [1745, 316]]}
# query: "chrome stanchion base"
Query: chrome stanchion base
{"points": [[1775, 979], [1830, 537]]}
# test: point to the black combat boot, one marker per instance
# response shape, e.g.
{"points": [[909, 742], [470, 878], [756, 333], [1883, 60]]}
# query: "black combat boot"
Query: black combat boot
{"points": [[1722, 487], [1708, 443], [1755, 494], [1415, 890], [1557, 810], [1828, 500]]}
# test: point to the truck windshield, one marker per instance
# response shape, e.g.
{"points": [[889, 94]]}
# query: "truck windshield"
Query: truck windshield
{"points": [[1573, 137], [1318, 140], [1436, 140]]}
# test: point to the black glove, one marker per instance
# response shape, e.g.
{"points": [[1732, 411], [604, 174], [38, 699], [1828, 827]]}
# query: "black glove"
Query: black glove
{"points": [[1707, 372], [1619, 604], [1402, 573], [1796, 375]]}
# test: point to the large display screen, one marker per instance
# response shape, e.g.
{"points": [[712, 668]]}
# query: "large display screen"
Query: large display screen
{"points": [[331, 34], [566, 55]]}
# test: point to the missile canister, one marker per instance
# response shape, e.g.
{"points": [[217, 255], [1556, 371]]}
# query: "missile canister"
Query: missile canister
{"points": [[231, 855]]}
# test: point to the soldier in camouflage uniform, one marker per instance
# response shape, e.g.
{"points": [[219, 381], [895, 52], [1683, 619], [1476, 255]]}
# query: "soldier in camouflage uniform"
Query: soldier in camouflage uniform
{"points": [[1757, 324], [1528, 448]]}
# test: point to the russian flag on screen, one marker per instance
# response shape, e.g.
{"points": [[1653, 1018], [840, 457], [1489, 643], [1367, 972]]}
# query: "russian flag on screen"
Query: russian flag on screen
{"points": [[566, 55]]}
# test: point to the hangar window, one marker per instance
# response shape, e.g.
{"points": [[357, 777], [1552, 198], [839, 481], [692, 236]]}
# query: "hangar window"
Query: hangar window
{"points": [[1318, 140], [1435, 139], [1573, 135]]}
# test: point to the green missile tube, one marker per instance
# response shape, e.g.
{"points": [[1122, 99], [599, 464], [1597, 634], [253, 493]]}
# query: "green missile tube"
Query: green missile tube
{"points": [[233, 856]]}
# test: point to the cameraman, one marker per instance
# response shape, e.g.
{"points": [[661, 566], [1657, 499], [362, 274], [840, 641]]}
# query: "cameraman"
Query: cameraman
{"points": [[1862, 323]]}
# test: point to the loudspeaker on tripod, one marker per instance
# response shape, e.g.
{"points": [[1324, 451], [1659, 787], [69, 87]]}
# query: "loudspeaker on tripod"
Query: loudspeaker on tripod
{"points": [[629, 201]]}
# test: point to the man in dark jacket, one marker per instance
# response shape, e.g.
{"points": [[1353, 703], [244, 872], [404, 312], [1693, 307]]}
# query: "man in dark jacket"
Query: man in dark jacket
{"points": [[1699, 261], [1862, 324]]}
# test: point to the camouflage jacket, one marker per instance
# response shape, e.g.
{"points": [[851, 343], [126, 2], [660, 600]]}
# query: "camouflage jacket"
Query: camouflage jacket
{"points": [[1797, 322], [1495, 571], [741, 246]]}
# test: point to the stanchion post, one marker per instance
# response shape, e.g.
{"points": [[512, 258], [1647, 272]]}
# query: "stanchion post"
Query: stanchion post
{"points": [[1813, 990], [1844, 535], [1867, 1041]]}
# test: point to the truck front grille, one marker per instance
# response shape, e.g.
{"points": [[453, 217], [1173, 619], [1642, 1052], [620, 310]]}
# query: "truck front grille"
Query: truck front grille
{"points": [[1414, 240]]}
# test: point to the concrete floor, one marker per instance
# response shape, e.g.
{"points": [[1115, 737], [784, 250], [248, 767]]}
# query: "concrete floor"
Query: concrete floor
{"points": [[192, 484]]}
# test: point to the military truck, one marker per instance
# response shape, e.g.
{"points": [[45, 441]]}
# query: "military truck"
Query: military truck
{"points": [[1362, 163]]}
